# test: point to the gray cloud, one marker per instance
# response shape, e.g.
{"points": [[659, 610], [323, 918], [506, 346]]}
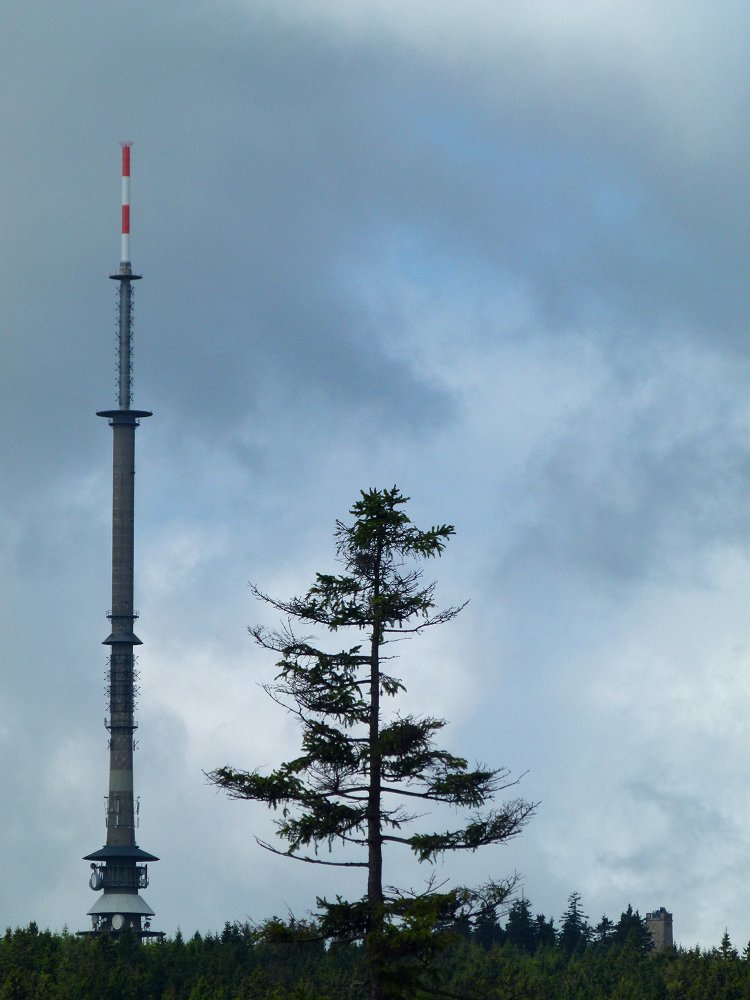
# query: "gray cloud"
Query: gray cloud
{"points": [[499, 259]]}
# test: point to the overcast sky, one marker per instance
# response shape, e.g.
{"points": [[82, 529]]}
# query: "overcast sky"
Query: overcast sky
{"points": [[494, 253]]}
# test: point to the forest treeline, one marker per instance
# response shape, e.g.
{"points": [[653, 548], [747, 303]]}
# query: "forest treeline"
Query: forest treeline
{"points": [[523, 956]]}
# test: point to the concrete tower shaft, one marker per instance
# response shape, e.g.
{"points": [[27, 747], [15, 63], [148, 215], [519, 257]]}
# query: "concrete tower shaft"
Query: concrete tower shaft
{"points": [[119, 867], [121, 720]]}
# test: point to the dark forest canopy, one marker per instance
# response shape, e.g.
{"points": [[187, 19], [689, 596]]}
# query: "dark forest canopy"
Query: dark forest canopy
{"points": [[493, 963]]}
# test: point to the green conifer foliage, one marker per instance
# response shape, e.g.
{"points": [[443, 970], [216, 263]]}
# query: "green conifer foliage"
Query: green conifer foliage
{"points": [[362, 770], [574, 927], [632, 932], [519, 928]]}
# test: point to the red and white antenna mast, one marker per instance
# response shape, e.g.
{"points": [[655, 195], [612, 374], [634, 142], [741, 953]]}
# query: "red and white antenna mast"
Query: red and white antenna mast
{"points": [[125, 276], [125, 237]]}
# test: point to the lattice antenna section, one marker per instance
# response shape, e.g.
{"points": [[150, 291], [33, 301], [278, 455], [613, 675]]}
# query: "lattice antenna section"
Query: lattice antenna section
{"points": [[124, 339]]}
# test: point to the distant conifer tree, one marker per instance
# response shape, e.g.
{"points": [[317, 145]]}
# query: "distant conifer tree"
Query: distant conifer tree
{"points": [[726, 948], [520, 930], [632, 930], [574, 928]]}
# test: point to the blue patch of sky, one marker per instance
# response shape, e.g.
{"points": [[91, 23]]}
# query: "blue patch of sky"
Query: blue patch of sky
{"points": [[545, 200]]}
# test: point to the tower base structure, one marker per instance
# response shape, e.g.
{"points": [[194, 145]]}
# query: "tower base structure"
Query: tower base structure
{"points": [[119, 871]]}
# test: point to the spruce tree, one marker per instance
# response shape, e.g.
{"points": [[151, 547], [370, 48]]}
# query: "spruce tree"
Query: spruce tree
{"points": [[632, 931], [519, 928], [575, 931], [726, 948], [360, 768], [604, 933], [544, 932]]}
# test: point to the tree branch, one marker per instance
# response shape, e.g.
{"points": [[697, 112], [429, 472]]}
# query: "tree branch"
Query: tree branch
{"points": [[310, 861]]}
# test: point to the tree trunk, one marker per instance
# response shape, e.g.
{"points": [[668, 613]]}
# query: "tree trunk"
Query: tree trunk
{"points": [[375, 941]]}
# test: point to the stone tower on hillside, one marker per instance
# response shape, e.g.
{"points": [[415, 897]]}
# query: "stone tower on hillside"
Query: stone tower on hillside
{"points": [[660, 924]]}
